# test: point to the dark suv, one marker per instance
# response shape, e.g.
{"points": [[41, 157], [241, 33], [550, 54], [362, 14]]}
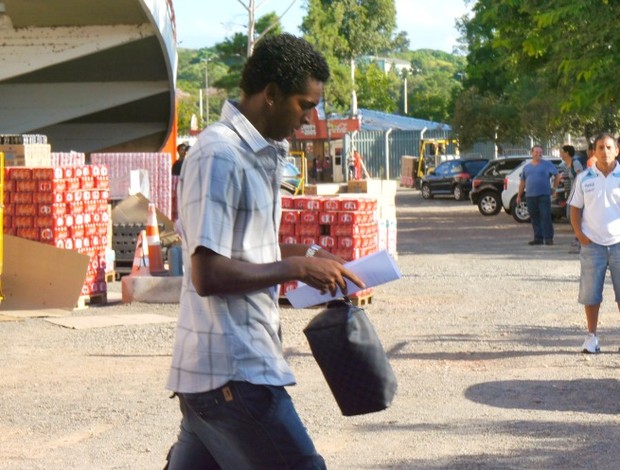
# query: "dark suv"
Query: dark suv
{"points": [[451, 177], [487, 186]]}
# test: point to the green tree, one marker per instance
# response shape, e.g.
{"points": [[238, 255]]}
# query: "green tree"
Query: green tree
{"points": [[376, 90], [554, 64], [348, 29], [434, 81]]}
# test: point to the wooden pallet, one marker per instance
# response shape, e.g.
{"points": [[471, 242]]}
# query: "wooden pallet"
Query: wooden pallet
{"points": [[361, 300], [358, 301], [95, 299]]}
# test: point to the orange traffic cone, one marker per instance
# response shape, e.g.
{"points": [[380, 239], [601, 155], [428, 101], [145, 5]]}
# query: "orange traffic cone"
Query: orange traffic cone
{"points": [[156, 259], [141, 256]]}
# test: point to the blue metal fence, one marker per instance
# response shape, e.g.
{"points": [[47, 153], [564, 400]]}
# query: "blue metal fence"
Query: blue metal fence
{"points": [[382, 150]]}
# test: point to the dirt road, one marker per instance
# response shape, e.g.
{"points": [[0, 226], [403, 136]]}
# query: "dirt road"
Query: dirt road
{"points": [[482, 330]]}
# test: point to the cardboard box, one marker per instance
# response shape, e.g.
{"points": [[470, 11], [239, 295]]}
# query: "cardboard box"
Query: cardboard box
{"points": [[365, 186], [30, 155], [325, 189], [407, 165], [40, 276]]}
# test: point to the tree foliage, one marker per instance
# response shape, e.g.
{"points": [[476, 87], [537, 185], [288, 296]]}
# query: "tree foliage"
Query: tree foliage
{"points": [[350, 28], [553, 63], [376, 88], [344, 30], [338, 28], [433, 83]]}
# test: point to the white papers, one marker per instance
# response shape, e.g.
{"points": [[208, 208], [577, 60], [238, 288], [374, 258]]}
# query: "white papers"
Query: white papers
{"points": [[375, 269]]}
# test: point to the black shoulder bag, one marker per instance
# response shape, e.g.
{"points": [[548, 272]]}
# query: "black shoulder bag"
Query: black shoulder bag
{"points": [[348, 351]]}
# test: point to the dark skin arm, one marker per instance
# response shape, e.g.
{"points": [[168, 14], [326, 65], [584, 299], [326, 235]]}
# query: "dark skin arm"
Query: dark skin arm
{"points": [[213, 274]]}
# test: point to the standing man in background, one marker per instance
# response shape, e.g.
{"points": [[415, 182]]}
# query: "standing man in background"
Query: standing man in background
{"points": [[595, 217], [573, 168], [228, 368], [178, 164], [535, 182]]}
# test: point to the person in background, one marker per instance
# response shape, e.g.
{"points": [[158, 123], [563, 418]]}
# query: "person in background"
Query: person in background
{"points": [[351, 166], [312, 171], [228, 368], [327, 168], [318, 165], [534, 182], [178, 164], [591, 155], [573, 168], [595, 212]]}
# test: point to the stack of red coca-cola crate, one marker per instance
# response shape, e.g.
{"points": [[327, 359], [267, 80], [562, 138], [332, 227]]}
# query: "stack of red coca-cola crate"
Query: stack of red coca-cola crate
{"points": [[346, 226], [62, 206]]}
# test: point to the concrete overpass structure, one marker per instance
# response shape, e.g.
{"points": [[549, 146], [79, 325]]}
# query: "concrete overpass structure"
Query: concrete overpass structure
{"points": [[92, 75]]}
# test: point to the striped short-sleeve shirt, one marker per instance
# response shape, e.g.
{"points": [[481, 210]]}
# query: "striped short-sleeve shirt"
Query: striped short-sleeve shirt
{"points": [[229, 202]]}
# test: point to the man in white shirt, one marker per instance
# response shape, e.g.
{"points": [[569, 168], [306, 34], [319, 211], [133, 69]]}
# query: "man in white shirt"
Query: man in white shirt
{"points": [[595, 217], [228, 368]]}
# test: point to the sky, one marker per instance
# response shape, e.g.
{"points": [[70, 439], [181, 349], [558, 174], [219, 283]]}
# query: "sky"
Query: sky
{"points": [[430, 24]]}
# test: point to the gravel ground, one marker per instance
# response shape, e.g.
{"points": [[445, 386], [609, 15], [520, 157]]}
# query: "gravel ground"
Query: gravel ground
{"points": [[483, 332]]}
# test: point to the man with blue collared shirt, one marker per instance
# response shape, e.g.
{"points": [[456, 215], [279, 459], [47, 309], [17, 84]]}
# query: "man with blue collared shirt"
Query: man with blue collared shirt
{"points": [[595, 217], [534, 183], [228, 368]]}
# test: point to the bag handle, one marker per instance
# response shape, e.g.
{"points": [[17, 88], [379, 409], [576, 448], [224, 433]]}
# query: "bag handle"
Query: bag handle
{"points": [[340, 302]]}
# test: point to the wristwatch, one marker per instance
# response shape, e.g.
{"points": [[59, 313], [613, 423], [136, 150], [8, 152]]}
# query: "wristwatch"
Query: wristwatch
{"points": [[312, 250]]}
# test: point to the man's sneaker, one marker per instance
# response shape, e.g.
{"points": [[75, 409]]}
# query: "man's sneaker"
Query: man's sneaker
{"points": [[549, 241], [590, 345], [536, 241]]}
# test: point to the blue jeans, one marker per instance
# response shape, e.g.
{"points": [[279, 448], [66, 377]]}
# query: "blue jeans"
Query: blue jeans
{"points": [[595, 259], [539, 208], [242, 426]]}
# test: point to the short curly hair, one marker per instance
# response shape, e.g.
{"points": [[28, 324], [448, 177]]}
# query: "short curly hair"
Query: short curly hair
{"points": [[285, 60]]}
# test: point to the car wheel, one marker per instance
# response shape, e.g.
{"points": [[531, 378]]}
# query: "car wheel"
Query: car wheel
{"points": [[519, 211], [458, 192], [426, 192], [489, 203]]}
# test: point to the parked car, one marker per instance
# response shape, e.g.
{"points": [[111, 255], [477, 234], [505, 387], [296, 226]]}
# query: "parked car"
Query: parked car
{"points": [[487, 186], [511, 187], [451, 177]]}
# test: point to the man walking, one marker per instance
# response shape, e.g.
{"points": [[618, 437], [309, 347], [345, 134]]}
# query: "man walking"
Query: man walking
{"points": [[535, 182], [573, 168], [228, 367], [595, 217]]}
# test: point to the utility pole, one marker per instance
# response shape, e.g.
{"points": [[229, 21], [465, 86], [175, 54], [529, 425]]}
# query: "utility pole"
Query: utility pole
{"points": [[405, 97], [206, 61]]}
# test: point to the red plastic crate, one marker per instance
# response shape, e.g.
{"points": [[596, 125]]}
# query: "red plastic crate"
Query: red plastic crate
{"points": [[51, 185], [331, 204], [25, 210], [290, 216]]}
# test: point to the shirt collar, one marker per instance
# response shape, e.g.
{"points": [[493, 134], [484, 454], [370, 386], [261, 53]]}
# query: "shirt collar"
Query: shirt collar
{"points": [[233, 117], [615, 171]]}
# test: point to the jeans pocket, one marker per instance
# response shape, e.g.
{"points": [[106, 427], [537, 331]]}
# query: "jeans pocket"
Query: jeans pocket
{"points": [[204, 404], [259, 401]]}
